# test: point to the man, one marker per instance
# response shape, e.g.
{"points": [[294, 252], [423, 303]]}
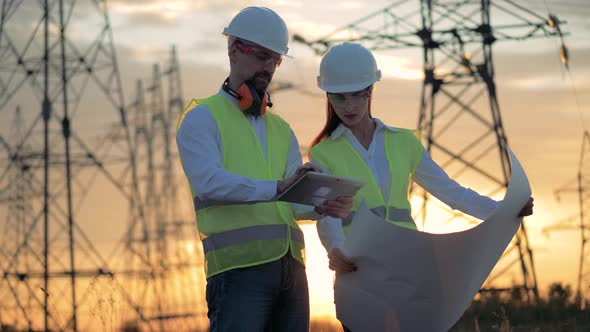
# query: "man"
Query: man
{"points": [[237, 157]]}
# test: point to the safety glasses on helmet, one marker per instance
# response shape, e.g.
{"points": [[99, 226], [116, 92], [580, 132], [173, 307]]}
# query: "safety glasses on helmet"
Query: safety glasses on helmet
{"points": [[259, 54]]}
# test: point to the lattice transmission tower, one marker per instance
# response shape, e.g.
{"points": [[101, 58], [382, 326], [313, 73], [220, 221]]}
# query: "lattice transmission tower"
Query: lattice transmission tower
{"points": [[581, 220], [58, 64], [162, 265], [459, 96]]}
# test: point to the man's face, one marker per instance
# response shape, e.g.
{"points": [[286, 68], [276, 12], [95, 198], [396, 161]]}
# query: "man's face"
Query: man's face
{"points": [[254, 63]]}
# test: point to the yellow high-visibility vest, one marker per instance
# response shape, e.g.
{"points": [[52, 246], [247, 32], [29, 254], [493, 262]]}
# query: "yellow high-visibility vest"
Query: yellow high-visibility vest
{"points": [[236, 236], [403, 150]]}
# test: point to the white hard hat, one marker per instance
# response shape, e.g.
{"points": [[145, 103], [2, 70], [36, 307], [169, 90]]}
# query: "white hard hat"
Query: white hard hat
{"points": [[261, 26], [348, 67]]}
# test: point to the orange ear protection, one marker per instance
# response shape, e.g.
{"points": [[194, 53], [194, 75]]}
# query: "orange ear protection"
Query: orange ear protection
{"points": [[248, 98]]}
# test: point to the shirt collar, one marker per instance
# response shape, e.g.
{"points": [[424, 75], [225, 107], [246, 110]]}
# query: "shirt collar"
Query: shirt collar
{"points": [[222, 93], [341, 129]]}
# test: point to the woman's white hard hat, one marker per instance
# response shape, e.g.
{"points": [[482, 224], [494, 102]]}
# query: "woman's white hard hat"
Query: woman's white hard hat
{"points": [[348, 67]]}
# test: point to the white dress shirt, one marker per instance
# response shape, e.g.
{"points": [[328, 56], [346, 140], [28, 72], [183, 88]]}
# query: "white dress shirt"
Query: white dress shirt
{"points": [[428, 175], [199, 145]]}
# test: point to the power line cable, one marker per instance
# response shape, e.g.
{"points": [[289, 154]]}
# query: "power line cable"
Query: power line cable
{"points": [[564, 54]]}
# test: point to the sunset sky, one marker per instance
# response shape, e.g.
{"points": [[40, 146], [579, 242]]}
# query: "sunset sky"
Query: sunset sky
{"points": [[537, 98], [545, 108]]}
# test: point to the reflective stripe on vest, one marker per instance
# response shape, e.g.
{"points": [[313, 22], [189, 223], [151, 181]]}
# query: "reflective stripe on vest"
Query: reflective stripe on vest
{"points": [[399, 215], [248, 234]]}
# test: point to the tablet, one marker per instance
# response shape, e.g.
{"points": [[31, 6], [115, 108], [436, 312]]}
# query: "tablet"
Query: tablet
{"points": [[314, 188]]}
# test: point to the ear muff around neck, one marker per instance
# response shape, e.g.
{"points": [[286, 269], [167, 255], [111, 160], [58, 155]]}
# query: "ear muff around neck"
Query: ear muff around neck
{"points": [[249, 100]]}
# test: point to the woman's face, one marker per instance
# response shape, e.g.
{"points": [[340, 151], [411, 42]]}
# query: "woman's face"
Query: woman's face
{"points": [[351, 107]]}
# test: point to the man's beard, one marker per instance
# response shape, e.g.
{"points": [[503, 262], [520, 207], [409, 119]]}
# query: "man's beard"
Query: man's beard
{"points": [[261, 86]]}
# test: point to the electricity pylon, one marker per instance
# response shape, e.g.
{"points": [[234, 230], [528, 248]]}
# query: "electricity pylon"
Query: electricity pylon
{"points": [[50, 261], [162, 265], [459, 95], [581, 221]]}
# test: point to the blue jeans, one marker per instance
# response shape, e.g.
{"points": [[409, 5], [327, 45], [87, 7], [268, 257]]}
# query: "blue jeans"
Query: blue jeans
{"points": [[267, 297]]}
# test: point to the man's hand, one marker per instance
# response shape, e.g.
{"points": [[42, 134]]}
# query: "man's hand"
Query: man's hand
{"points": [[339, 262], [338, 208], [527, 209], [284, 184]]}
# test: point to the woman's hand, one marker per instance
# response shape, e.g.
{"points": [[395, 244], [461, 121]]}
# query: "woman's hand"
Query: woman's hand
{"points": [[339, 262], [527, 209], [338, 208]]}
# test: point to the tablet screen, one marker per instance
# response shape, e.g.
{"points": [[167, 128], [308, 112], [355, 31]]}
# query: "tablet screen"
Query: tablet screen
{"points": [[314, 188]]}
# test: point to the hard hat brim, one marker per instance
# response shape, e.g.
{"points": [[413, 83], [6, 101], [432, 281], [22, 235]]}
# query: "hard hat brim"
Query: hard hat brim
{"points": [[352, 87]]}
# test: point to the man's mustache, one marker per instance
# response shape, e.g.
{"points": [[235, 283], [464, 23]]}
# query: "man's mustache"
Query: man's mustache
{"points": [[265, 75]]}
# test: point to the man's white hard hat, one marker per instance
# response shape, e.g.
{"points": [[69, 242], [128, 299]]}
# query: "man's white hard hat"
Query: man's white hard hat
{"points": [[262, 26]]}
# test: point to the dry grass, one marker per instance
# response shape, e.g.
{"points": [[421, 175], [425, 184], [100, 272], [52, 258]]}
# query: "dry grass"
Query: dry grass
{"points": [[107, 304]]}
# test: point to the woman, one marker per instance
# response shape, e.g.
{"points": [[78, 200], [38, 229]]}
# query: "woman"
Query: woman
{"points": [[355, 144]]}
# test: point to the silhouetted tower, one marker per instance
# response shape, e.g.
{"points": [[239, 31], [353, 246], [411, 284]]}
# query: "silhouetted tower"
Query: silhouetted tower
{"points": [[581, 220], [459, 95], [185, 251], [17, 193], [47, 67], [164, 267]]}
